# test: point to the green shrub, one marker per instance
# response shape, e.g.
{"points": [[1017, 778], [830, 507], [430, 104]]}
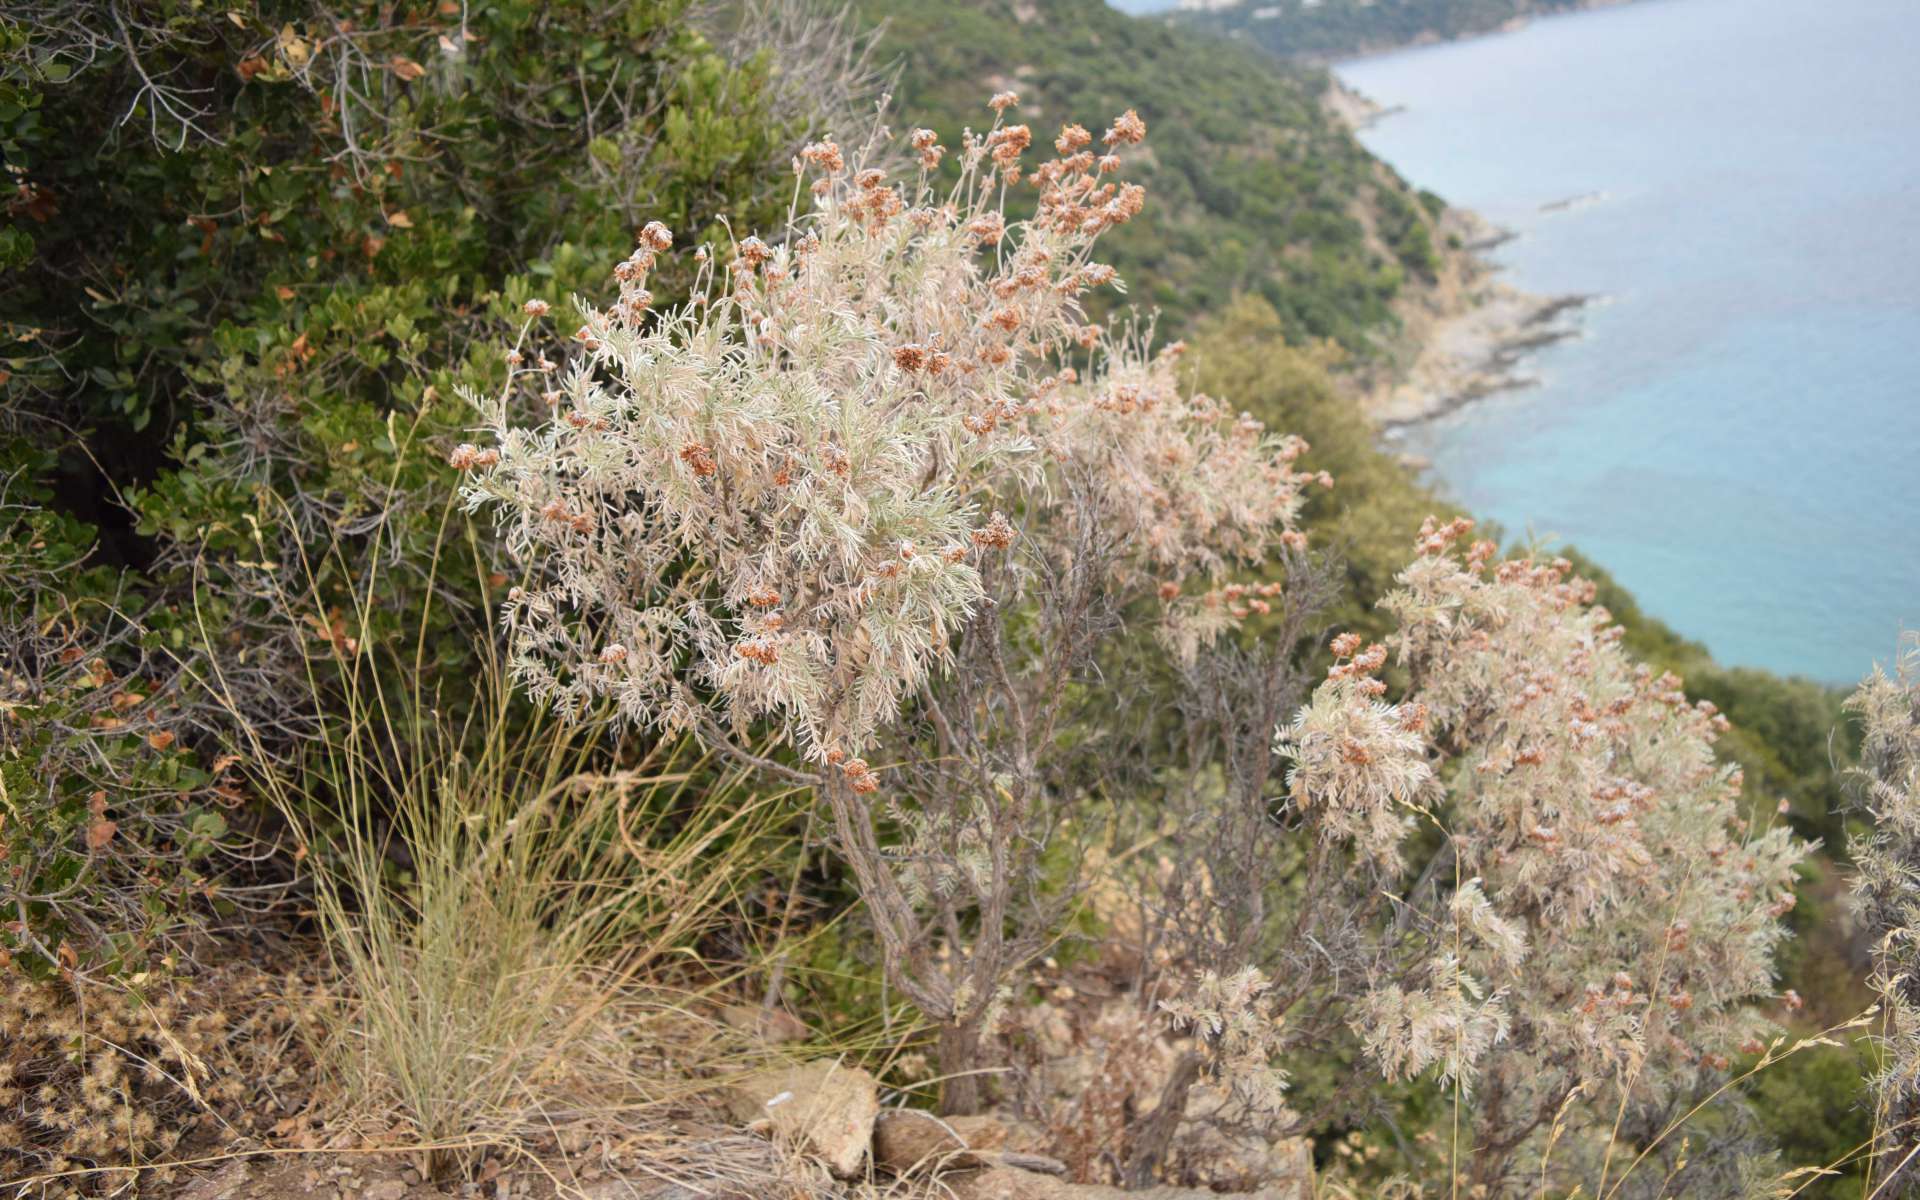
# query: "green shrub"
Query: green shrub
{"points": [[108, 828], [251, 252], [1814, 1108]]}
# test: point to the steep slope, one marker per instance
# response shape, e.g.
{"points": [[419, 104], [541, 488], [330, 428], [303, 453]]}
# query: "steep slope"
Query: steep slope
{"points": [[1253, 185], [1321, 30], [1257, 190]]}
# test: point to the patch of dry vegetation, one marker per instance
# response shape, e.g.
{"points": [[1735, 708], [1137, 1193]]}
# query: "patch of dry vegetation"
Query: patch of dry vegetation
{"points": [[98, 1080]]}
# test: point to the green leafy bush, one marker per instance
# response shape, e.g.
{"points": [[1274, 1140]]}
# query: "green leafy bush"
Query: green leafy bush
{"points": [[251, 252], [107, 826]]}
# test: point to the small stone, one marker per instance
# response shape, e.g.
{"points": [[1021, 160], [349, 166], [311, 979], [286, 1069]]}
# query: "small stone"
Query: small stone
{"points": [[225, 1184], [827, 1108], [907, 1139]]}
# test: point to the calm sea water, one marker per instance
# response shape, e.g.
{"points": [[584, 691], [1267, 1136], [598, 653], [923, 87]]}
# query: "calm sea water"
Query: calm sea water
{"points": [[1737, 434]]}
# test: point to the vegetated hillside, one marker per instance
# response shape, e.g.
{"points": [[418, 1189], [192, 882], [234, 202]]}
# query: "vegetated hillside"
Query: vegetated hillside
{"points": [[1253, 186], [1264, 231], [232, 305], [1328, 29], [1789, 737], [259, 755], [1783, 733]]}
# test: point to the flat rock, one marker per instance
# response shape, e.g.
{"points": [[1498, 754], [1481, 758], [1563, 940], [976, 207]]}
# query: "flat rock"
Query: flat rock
{"points": [[907, 1140], [228, 1183], [827, 1109]]}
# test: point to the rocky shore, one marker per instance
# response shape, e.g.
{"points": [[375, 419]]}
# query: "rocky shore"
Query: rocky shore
{"points": [[1471, 350], [1468, 333]]}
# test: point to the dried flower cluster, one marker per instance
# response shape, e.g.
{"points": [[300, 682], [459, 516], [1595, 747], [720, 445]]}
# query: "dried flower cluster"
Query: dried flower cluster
{"points": [[884, 456], [1446, 1017], [1886, 862], [1232, 1018], [102, 1082], [1359, 763], [1614, 920], [776, 500]]}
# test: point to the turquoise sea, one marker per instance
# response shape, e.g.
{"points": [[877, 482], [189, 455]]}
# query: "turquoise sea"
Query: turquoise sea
{"points": [[1736, 435]]}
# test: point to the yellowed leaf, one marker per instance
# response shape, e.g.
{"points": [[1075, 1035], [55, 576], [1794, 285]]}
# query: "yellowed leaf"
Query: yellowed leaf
{"points": [[293, 47]]}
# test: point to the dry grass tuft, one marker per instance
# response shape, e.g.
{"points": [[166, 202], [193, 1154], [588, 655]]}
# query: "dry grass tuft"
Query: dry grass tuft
{"points": [[489, 906]]}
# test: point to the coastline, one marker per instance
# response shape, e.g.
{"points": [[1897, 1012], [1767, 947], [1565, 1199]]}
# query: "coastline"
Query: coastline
{"points": [[1467, 335], [1467, 344], [1433, 37]]}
